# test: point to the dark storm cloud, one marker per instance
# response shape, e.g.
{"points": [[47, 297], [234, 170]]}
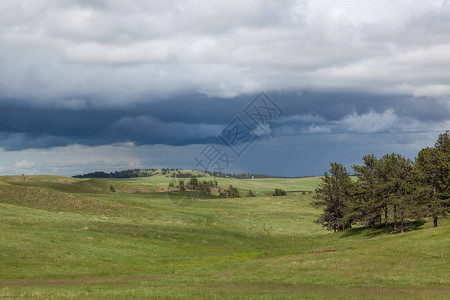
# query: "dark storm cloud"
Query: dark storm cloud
{"points": [[196, 119]]}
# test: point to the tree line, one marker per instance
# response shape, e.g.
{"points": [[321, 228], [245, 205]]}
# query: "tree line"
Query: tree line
{"points": [[132, 173], [388, 190], [205, 187], [238, 175], [193, 184]]}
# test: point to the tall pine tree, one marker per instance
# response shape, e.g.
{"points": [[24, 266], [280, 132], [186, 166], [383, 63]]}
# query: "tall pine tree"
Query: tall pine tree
{"points": [[334, 193], [367, 203], [432, 177], [394, 174]]}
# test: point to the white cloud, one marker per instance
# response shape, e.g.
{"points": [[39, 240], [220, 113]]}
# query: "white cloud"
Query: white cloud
{"points": [[76, 159], [370, 122], [434, 90], [118, 52], [262, 130], [318, 129], [23, 164]]}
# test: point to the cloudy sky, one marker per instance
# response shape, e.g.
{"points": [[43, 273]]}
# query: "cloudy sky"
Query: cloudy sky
{"points": [[90, 85]]}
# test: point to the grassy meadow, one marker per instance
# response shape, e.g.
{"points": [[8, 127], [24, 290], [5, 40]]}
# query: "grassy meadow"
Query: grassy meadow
{"points": [[75, 238]]}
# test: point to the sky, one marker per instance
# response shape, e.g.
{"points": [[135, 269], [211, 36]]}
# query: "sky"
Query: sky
{"points": [[93, 85]]}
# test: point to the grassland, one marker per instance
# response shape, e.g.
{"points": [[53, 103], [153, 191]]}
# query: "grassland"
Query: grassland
{"points": [[64, 237]]}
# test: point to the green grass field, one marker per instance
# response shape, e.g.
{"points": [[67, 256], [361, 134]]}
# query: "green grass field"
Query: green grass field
{"points": [[63, 237]]}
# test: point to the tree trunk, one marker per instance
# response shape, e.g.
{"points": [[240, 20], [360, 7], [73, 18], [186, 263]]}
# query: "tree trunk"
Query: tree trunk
{"points": [[395, 219], [385, 216], [403, 222], [434, 200]]}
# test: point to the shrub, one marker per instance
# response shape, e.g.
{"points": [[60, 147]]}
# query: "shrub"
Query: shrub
{"points": [[279, 192], [250, 194], [230, 192]]}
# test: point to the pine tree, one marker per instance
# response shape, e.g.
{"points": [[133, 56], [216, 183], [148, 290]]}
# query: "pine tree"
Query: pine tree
{"points": [[395, 176], [334, 193], [432, 176], [279, 192], [181, 186], [250, 194], [367, 204]]}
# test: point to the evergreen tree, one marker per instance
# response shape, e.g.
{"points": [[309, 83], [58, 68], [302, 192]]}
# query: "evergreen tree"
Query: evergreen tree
{"points": [[250, 194], [395, 177], [193, 184], [334, 193], [181, 186], [279, 192], [367, 204], [432, 175], [230, 192]]}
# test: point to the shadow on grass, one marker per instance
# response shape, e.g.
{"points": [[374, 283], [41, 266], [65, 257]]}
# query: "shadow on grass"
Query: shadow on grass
{"points": [[380, 229]]}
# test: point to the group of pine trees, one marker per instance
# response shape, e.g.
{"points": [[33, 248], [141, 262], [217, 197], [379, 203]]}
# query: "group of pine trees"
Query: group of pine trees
{"points": [[237, 175], [205, 187], [392, 189], [230, 192], [279, 192], [194, 184]]}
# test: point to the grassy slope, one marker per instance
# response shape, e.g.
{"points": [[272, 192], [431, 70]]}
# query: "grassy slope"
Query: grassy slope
{"points": [[74, 238], [262, 186]]}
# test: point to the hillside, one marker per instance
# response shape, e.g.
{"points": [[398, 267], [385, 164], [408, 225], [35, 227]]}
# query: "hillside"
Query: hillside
{"points": [[66, 237]]}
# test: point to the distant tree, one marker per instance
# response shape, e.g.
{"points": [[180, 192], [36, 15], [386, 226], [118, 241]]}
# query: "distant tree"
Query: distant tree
{"points": [[193, 184], [333, 194], [205, 186], [120, 174], [279, 192], [230, 192], [181, 186], [250, 194]]}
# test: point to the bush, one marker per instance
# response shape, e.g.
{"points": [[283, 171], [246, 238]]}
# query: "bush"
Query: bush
{"points": [[181, 186], [250, 194], [230, 192], [279, 192]]}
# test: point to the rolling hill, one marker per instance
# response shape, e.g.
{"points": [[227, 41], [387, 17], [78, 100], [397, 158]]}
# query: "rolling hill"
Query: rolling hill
{"points": [[78, 238]]}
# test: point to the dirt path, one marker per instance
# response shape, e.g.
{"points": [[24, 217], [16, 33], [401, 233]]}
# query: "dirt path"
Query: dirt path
{"points": [[75, 282]]}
